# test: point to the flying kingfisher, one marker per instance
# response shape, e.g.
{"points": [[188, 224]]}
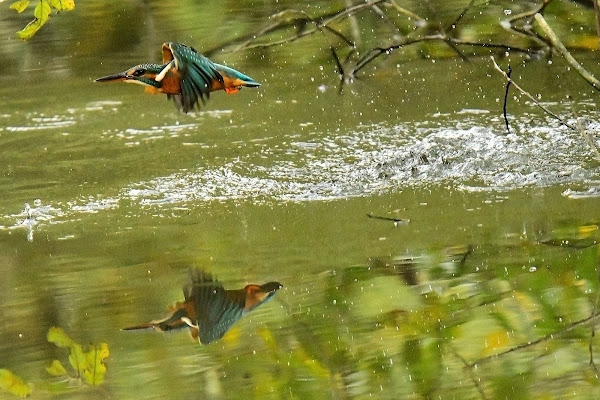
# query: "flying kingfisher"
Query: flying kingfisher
{"points": [[185, 75], [209, 310]]}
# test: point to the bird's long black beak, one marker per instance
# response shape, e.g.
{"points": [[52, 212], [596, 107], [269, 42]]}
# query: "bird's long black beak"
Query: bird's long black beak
{"points": [[251, 84], [115, 77], [271, 287]]}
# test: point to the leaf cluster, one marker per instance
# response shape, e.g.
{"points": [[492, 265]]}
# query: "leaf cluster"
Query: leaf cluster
{"points": [[41, 14], [88, 364]]}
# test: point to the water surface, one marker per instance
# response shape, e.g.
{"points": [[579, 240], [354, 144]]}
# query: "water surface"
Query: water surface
{"points": [[109, 196]]}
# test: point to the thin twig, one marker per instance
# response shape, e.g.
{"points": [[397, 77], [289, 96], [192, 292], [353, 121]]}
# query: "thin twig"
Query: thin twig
{"points": [[469, 368], [385, 17], [530, 97], [402, 10], [340, 67], [378, 51], [353, 24], [461, 15], [549, 336], [339, 34], [528, 15], [557, 44], [319, 25], [506, 99]]}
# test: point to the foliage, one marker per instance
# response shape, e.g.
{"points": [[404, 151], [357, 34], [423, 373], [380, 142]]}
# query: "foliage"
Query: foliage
{"points": [[451, 328], [88, 365], [12, 384], [41, 14]]}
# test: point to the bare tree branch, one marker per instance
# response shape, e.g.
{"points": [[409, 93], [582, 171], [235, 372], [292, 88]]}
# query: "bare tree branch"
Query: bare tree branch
{"points": [[472, 376], [542, 339], [506, 99], [530, 97], [557, 44]]}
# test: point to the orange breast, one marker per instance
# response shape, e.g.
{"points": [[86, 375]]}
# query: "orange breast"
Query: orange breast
{"points": [[229, 85], [170, 83]]}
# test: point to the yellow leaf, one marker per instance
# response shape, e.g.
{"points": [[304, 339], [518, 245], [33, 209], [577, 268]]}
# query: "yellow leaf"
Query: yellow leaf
{"points": [[57, 336], [268, 338], [95, 369], [88, 364], [42, 11], [315, 367], [30, 30], [12, 384], [56, 369], [66, 5], [586, 231], [231, 338], [495, 341], [20, 5], [77, 358]]}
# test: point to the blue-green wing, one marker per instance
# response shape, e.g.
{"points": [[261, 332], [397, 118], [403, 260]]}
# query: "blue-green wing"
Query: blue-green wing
{"points": [[216, 309], [197, 74]]}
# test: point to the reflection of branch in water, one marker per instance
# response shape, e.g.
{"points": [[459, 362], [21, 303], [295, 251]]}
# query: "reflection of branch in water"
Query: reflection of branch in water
{"points": [[397, 221], [590, 346], [474, 379], [549, 336]]}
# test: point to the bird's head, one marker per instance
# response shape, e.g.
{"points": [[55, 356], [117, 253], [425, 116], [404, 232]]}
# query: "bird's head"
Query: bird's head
{"points": [[143, 74], [257, 295]]}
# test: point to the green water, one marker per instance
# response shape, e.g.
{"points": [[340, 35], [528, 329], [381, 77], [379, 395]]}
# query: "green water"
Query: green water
{"points": [[125, 194]]}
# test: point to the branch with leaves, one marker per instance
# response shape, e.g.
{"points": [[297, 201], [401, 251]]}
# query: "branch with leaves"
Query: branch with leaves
{"points": [[41, 14]]}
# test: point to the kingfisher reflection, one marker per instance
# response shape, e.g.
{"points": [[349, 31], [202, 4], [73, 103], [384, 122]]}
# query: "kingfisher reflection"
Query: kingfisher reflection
{"points": [[208, 309]]}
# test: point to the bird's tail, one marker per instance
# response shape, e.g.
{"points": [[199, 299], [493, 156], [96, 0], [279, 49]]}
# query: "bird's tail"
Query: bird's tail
{"points": [[137, 327], [235, 75], [174, 321]]}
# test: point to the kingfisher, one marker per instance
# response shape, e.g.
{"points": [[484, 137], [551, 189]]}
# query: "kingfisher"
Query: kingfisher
{"points": [[208, 309], [185, 76]]}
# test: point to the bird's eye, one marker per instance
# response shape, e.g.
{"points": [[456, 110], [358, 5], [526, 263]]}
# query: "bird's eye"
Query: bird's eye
{"points": [[139, 72]]}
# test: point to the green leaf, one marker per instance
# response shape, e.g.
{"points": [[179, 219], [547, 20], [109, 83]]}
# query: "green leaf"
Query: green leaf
{"points": [[42, 11], [20, 5], [12, 384], [30, 30], [77, 358], [56, 369], [89, 365], [62, 5], [95, 369], [424, 361], [57, 336]]}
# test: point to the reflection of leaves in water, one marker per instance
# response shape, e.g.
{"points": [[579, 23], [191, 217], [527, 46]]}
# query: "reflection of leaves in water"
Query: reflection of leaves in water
{"points": [[424, 360], [88, 365], [504, 322], [12, 384], [495, 319], [580, 237]]}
